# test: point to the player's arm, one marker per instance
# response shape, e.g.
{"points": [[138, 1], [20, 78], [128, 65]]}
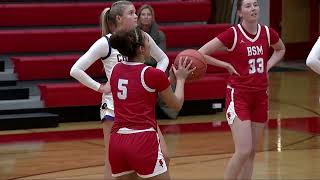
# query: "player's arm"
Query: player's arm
{"points": [[156, 79], [175, 99], [161, 58], [211, 47], [278, 47], [313, 60], [225, 40], [105, 88], [278, 53], [96, 51]]}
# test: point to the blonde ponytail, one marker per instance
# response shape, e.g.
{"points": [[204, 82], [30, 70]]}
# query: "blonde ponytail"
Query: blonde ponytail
{"points": [[104, 22], [108, 16]]}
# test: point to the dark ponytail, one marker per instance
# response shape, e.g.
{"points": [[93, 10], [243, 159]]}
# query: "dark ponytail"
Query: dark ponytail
{"points": [[127, 42]]}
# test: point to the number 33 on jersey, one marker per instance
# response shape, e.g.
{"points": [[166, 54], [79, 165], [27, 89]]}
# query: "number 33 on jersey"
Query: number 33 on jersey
{"points": [[249, 55]]}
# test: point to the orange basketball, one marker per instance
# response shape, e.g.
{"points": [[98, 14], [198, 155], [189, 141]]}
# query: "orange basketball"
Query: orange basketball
{"points": [[197, 61]]}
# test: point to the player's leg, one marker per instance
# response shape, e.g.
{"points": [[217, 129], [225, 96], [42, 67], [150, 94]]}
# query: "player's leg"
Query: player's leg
{"points": [[132, 176], [259, 116], [163, 146], [257, 130], [238, 117], [107, 123], [242, 137], [146, 156], [119, 162], [163, 176]]}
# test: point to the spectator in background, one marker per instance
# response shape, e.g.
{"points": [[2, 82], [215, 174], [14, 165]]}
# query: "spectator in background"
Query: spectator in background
{"points": [[146, 21]]}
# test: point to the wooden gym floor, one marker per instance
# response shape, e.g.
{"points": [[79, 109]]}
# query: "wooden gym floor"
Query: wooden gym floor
{"points": [[199, 146]]}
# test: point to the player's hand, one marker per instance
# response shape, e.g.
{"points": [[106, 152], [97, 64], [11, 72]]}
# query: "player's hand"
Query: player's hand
{"points": [[105, 88], [184, 69], [231, 69], [172, 77]]}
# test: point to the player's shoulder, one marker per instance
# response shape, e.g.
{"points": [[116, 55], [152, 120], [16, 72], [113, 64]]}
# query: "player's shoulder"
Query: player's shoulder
{"points": [[152, 71], [102, 41], [232, 28], [266, 27]]}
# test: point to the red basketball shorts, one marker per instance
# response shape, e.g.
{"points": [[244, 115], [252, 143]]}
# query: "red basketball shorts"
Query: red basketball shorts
{"points": [[246, 105], [136, 152]]}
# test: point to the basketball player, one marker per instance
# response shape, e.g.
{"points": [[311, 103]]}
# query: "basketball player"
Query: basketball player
{"points": [[247, 99], [313, 60], [134, 143], [121, 16]]}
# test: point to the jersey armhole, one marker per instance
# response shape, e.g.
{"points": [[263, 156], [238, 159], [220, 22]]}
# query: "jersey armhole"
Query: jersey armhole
{"points": [[109, 53], [143, 82], [234, 40], [268, 34]]}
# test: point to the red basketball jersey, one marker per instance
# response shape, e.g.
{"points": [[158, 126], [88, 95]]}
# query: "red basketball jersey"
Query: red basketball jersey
{"points": [[134, 88], [249, 55]]}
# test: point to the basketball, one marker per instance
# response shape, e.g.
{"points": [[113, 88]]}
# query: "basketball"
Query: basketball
{"points": [[197, 61]]}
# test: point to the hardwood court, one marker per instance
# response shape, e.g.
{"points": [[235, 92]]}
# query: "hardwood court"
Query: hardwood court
{"points": [[290, 149]]}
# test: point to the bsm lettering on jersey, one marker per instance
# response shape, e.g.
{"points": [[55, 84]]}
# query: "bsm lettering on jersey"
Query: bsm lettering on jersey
{"points": [[255, 50]]}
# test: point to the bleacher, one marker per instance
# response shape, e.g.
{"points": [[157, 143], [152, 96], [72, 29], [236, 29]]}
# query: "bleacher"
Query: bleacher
{"points": [[53, 66], [43, 41], [87, 13]]}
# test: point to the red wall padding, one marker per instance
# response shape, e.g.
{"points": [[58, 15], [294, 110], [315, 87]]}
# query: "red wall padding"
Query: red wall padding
{"points": [[59, 40], [75, 94], [47, 40], [88, 13], [58, 67], [50, 67], [192, 35], [68, 94]]}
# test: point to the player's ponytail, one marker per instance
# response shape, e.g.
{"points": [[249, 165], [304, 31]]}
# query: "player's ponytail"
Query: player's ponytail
{"points": [[104, 22], [108, 16], [128, 42]]}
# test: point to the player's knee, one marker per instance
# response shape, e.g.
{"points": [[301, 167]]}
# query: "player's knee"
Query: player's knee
{"points": [[245, 152]]}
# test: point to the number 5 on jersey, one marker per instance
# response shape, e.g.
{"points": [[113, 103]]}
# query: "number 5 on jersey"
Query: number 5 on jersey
{"points": [[122, 89], [256, 65]]}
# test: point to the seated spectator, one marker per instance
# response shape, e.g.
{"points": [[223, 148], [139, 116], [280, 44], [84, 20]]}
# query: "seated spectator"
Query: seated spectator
{"points": [[146, 21]]}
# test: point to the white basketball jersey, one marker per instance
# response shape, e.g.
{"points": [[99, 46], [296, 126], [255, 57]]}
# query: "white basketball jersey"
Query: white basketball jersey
{"points": [[108, 63]]}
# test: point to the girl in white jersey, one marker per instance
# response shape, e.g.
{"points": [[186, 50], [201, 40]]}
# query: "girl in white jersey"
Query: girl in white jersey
{"points": [[121, 16], [313, 60]]}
